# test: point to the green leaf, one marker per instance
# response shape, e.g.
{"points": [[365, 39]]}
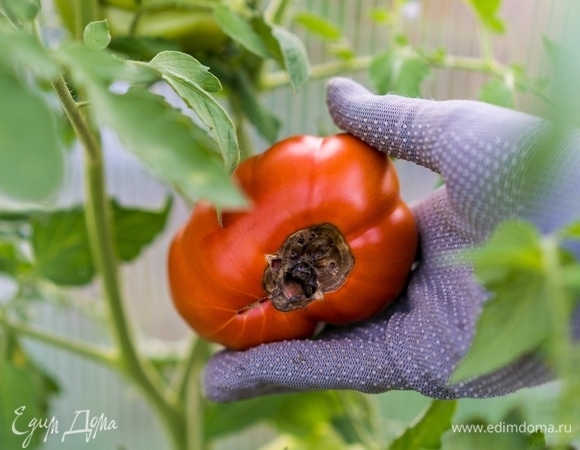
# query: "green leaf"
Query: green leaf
{"points": [[183, 66], [61, 244], [381, 16], [427, 429], [61, 247], [295, 413], [400, 70], [168, 143], [240, 30], [31, 163], [263, 119], [294, 56], [97, 34], [513, 321], [565, 71], [318, 25], [571, 231], [319, 437], [192, 81], [8, 258], [21, 10], [497, 92], [26, 390], [23, 51], [487, 11], [89, 65], [136, 228]]}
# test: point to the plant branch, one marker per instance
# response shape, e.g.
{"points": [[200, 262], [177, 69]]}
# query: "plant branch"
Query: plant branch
{"points": [[76, 119], [100, 233], [276, 79], [100, 354], [191, 365], [275, 12]]}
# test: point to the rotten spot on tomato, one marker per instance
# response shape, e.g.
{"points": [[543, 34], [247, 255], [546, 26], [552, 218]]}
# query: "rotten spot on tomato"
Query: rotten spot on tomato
{"points": [[310, 262]]}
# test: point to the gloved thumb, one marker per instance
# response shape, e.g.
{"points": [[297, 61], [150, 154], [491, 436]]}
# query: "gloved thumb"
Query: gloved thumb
{"points": [[439, 135]]}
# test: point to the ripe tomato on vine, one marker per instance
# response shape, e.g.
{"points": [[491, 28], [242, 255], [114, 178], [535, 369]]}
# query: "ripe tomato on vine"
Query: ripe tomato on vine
{"points": [[327, 239]]}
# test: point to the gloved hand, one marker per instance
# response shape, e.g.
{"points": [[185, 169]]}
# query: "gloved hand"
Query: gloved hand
{"points": [[488, 157]]}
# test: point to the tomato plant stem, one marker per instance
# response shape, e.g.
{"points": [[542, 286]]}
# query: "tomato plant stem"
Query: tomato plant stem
{"points": [[85, 11], [93, 352], [276, 10], [98, 215], [276, 79]]}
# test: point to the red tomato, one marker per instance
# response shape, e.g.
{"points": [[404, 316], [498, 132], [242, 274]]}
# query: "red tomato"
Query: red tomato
{"points": [[327, 239]]}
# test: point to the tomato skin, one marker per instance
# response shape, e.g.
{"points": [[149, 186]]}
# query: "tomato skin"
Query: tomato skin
{"points": [[216, 271]]}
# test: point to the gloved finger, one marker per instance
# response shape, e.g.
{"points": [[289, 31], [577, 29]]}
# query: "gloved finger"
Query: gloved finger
{"points": [[497, 163], [436, 134]]}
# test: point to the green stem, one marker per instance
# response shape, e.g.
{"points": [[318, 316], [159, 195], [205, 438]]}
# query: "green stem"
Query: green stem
{"points": [[486, 45], [139, 371], [274, 80], [189, 388], [275, 12], [85, 11], [102, 355], [277, 79], [560, 305], [396, 23]]}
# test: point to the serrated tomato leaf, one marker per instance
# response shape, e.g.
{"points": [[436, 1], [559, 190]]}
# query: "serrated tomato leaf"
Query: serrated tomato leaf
{"points": [[497, 92], [21, 10], [318, 25], [487, 11], [167, 142], [192, 81], [427, 429], [240, 30], [97, 34], [400, 70], [26, 390], [61, 246], [186, 67], [8, 258], [513, 322], [136, 228], [294, 56], [21, 50], [287, 49], [295, 413]]}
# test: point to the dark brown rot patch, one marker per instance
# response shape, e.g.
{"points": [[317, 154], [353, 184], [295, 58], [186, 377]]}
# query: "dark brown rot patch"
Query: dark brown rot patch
{"points": [[309, 263]]}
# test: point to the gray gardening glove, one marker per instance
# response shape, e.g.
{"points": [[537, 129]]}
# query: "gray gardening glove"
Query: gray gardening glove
{"points": [[488, 158]]}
